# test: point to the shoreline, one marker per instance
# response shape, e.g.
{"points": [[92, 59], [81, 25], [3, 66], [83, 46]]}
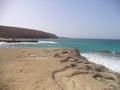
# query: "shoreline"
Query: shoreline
{"points": [[52, 68], [10, 40]]}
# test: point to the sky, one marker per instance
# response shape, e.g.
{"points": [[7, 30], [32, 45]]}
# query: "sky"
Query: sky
{"points": [[65, 18]]}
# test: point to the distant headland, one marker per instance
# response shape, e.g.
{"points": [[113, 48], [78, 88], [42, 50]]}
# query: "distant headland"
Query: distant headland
{"points": [[15, 34]]}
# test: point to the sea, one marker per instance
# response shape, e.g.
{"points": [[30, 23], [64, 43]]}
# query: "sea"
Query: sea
{"points": [[105, 52]]}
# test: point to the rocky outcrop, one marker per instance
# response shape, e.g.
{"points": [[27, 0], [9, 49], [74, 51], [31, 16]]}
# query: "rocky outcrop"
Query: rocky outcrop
{"points": [[13, 32]]}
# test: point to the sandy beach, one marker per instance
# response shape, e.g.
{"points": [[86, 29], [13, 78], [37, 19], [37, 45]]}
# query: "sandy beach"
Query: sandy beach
{"points": [[52, 69]]}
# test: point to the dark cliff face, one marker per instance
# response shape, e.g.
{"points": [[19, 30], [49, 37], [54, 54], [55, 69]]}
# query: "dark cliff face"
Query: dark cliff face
{"points": [[13, 32]]}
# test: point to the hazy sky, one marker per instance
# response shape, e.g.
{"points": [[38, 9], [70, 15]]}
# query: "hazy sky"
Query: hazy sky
{"points": [[69, 18]]}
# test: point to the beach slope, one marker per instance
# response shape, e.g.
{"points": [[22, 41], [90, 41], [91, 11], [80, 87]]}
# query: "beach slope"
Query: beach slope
{"points": [[52, 69]]}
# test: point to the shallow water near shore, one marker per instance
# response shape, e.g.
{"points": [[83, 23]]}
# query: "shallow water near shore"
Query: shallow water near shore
{"points": [[100, 51]]}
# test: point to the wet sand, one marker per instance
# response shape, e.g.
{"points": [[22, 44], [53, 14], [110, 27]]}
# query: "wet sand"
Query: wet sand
{"points": [[52, 69]]}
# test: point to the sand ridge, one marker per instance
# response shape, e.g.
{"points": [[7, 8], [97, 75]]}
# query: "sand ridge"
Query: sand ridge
{"points": [[52, 69]]}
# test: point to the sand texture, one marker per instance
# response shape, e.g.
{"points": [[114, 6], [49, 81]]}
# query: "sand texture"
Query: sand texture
{"points": [[52, 69]]}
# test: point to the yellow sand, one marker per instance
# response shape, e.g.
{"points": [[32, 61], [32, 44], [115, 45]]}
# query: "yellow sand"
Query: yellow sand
{"points": [[52, 69]]}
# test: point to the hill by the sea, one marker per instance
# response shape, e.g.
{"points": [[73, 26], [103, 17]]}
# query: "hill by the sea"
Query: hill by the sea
{"points": [[15, 32]]}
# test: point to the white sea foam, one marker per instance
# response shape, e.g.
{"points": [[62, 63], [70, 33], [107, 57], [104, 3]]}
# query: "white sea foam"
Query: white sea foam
{"points": [[47, 42], [1, 43], [109, 60], [5, 44]]}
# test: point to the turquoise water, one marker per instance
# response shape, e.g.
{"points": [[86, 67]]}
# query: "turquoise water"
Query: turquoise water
{"points": [[88, 45], [84, 45], [101, 51]]}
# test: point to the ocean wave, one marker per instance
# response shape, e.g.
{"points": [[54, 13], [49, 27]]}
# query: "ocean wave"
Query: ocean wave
{"points": [[5, 44], [39, 42], [107, 52], [47, 42], [1, 43], [109, 60]]}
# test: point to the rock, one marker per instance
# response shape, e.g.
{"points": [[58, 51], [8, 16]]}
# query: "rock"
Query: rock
{"points": [[73, 65], [87, 62], [110, 78], [64, 52], [64, 60], [98, 69], [57, 55], [76, 60], [70, 57], [98, 77], [87, 67]]}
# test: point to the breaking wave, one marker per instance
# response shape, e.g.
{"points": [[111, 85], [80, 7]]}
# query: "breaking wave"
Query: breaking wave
{"points": [[110, 60], [6, 45], [47, 42]]}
